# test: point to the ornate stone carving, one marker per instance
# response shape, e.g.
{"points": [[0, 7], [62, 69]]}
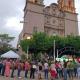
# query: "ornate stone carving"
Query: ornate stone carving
{"points": [[61, 14], [47, 10], [54, 10], [61, 22], [54, 21], [47, 19]]}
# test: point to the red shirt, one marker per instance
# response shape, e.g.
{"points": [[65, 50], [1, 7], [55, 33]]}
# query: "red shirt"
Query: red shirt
{"points": [[26, 65]]}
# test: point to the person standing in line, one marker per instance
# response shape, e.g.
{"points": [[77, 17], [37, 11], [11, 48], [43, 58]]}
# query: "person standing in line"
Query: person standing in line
{"points": [[40, 67], [78, 70], [1, 65], [65, 71], [60, 70], [3, 68], [57, 68], [71, 69], [19, 69], [46, 67], [26, 68], [13, 68], [32, 71], [7, 68], [53, 71], [68, 69], [75, 68], [31, 68]]}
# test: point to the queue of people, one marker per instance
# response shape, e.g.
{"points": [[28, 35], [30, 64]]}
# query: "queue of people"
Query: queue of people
{"points": [[62, 70]]}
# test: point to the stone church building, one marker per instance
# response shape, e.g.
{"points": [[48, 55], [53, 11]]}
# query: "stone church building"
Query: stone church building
{"points": [[57, 19]]}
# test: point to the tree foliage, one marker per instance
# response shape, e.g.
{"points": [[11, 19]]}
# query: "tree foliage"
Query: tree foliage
{"points": [[5, 39], [40, 42]]}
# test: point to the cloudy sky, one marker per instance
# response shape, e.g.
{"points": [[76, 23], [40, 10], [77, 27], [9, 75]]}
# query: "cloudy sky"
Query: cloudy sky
{"points": [[11, 13]]}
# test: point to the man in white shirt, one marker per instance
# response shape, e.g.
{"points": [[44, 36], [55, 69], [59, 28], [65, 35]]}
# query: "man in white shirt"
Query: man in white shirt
{"points": [[46, 66]]}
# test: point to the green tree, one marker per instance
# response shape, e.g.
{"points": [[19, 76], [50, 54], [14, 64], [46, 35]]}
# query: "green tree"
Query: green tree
{"points": [[41, 42], [5, 40]]}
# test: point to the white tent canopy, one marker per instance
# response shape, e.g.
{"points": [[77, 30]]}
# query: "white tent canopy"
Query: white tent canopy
{"points": [[10, 54]]}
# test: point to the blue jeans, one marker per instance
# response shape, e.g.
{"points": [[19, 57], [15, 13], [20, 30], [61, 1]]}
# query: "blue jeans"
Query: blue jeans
{"points": [[75, 72], [1, 67], [65, 74], [19, 71], [70, 72], [26, 72], [46, 73]]}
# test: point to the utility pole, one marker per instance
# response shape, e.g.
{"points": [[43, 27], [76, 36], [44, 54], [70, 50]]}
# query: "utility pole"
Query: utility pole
{"points": [[54, 51], [57, 53]]}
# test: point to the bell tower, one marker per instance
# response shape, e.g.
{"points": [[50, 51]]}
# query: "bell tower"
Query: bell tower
{"points": [[67, 5], [33, 17]]}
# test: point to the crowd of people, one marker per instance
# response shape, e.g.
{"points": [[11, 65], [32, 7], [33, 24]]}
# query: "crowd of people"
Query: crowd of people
{"points": [[62, 70]]}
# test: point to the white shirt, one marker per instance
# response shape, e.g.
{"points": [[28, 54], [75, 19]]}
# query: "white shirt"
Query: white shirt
{"points": [[34, 66], [45, 65]]}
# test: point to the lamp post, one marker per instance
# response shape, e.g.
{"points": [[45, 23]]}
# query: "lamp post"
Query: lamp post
{"points": [[54, 34], [28, 38], [54, 51], [57, 53]]}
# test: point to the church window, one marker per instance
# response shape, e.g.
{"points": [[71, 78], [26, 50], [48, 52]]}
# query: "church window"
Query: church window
{"points": [[34, 29]]}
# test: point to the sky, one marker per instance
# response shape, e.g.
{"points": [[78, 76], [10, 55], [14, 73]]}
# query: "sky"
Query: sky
{"points": [[11, 13]]}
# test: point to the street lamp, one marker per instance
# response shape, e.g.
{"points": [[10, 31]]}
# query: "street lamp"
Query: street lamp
{"points": [[28, 38], [54, 51], [54, 34], [57, 53]]}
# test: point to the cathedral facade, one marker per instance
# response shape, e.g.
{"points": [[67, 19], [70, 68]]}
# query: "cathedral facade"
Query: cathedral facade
{"points": [[57, 19]]}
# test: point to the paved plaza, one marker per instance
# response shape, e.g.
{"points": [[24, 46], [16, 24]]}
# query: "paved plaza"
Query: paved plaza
{"points": [[6, 78], [22, 77]]}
